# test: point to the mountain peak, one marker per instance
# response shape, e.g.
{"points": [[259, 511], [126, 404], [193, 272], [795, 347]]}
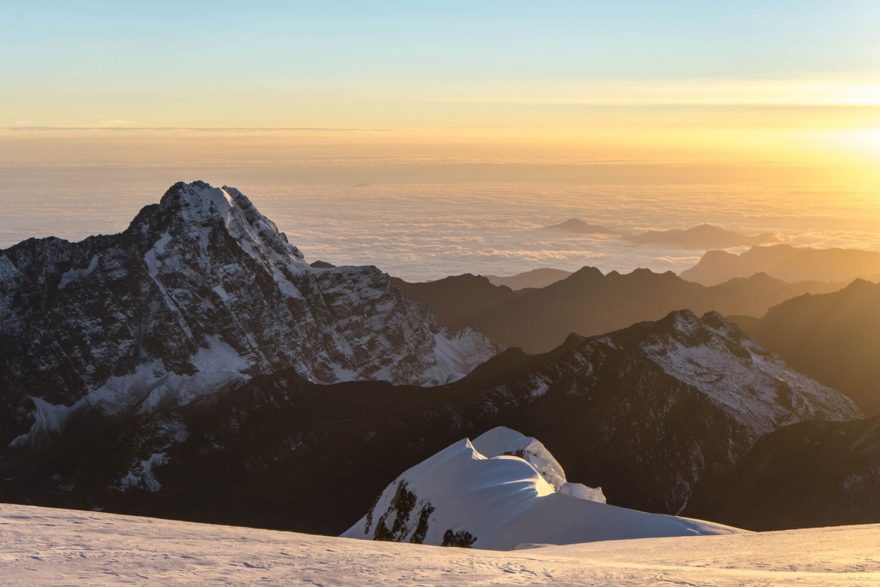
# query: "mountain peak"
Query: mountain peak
{"points": [[197, 208], [199, 199]]}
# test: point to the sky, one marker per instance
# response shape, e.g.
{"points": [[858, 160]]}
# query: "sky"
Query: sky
{"points": [[791, 84]]}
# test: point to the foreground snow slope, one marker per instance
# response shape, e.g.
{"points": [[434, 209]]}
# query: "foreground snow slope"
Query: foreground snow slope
{"points": [[41, 546]]}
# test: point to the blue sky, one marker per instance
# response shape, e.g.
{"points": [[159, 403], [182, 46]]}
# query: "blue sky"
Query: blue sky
{"points": [[122, 42]]}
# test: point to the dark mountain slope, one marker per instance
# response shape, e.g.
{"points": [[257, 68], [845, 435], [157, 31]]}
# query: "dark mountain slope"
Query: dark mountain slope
{"points": [[647, 413], [806, 474], [833, 337], [457, 299]]}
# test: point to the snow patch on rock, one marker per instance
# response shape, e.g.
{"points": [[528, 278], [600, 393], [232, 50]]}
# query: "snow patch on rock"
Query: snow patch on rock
{"points": [[72, 275], [141, 475]]}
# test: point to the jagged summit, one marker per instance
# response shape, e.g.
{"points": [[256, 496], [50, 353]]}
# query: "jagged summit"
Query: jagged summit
{"points": [[192, 206], [199, 194], [199, 200]]}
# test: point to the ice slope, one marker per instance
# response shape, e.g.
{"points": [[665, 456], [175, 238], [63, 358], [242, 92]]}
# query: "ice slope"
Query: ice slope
{"points": [[460, 497], [42, 546]]}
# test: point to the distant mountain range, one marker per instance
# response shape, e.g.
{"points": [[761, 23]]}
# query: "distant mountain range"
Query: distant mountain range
{"points": [[787, 263], [648, 413], [588, 302], [833, 337], [704, 236]]}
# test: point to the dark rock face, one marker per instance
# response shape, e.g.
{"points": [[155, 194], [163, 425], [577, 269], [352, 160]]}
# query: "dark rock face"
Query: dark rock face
{"points": [[806, 474], [200, 291], [461, 539], [648, 413], [832, 337]]}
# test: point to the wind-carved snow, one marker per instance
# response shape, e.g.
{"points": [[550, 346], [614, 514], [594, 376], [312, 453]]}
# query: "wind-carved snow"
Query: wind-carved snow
{"points": [[462, 497], [504, 441], [751, 383], [72, 275]]}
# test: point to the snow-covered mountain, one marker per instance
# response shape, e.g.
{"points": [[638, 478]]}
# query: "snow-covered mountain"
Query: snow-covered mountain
{"points": [[200, 292], [512, 495]]}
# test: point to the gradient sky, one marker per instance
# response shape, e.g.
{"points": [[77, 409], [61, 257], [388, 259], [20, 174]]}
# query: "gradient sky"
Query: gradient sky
{"points": [[786, 81]]}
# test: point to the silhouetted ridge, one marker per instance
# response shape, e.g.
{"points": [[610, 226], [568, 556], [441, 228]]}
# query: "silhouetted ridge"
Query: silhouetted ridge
{"points": [[588, 302]]}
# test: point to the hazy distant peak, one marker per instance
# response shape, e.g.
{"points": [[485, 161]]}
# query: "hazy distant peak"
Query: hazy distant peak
{"points": [[861, 284], [588, 270], [535, 278], [786, 263], [703, 236], [578, 225]]}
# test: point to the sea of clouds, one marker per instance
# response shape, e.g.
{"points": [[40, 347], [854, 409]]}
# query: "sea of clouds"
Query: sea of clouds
{"points": [[422, 232]]}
